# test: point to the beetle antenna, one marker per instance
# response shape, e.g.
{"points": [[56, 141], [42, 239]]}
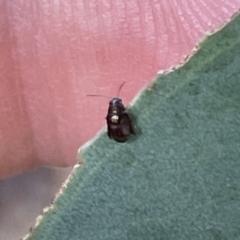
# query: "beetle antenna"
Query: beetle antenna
{"points": [[120, 88], [94, 95]]}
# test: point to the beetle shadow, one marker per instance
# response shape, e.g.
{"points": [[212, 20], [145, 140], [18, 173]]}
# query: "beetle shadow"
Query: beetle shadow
{"points": [[137, 130]]}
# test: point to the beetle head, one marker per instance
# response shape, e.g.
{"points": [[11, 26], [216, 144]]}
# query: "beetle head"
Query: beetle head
{"points": [[115, 101]]}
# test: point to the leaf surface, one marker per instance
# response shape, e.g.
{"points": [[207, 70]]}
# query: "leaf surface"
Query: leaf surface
{"points": [[179, 177]]}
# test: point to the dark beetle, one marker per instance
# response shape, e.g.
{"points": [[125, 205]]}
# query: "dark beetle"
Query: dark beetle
{"points": [[118, 121]]}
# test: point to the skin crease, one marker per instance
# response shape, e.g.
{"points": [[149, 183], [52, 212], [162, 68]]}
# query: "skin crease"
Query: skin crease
{"points": [[54, 53]]}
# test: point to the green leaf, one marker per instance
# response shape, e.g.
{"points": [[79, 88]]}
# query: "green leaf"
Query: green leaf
{"points": [[179, 177]]}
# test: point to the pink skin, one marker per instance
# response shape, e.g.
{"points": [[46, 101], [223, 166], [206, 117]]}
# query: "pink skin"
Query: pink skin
{"points": [[54, 53]]}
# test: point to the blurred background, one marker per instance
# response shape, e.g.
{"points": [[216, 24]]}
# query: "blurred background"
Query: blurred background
{"points": [[23, 197]]}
